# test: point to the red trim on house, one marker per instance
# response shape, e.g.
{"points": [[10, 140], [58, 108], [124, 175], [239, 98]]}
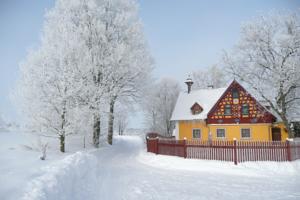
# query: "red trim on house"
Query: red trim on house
{"points": [[261, 114], [219, 100]]}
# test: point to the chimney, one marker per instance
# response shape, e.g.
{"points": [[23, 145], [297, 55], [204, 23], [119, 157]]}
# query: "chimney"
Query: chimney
{"points": [[189, 83]]}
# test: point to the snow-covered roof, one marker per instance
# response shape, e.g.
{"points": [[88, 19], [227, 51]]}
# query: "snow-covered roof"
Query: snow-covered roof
{"points": [[206, 98]]}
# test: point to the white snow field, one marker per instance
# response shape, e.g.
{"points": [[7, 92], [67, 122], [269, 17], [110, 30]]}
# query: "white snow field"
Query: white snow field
{"points": [[126, 171]]}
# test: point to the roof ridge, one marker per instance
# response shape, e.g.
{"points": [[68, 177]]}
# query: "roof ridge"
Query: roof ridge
{"points": [[206, 89]]}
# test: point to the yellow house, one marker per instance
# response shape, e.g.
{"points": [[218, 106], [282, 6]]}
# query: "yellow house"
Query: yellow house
{"points": [[224, 114]]}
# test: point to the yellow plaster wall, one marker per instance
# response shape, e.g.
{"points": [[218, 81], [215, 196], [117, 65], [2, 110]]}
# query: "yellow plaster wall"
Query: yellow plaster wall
{"points": [[284, 133], [258, 132], [186, 129], [261, 132]]}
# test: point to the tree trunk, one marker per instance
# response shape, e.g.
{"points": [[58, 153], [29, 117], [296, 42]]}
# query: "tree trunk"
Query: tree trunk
{"points": [[62, 135], [168, 127], [111, 121], [283, 105], [119, 126], [287, 126], [62, 143], [96, 130]]}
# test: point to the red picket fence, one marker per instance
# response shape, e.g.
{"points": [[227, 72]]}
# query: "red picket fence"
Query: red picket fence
{"points": [[152, 145], [235, 151], [171, 147], [210, 150]]}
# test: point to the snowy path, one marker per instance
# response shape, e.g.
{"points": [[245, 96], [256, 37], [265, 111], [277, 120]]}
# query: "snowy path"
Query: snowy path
{"points": [[125, 171], [122, 176]]}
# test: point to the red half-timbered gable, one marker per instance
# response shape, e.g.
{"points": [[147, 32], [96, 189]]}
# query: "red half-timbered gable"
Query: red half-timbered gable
{"points": [[236, 105]]}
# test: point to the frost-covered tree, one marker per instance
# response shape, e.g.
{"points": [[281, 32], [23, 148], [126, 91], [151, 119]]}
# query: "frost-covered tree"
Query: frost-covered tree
{"points": [[159, 104], [267, 58], [92, 33], [115, 53], [51, 77], [92, 54], [213, 76], [121, 118], [129, 60]]}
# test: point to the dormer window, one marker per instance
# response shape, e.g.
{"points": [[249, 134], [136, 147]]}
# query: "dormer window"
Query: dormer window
{"points": [[196, 109], [235, 93]]}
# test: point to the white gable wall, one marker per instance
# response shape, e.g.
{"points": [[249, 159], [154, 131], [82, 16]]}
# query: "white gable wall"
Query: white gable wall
{"points": [[176, 131]]}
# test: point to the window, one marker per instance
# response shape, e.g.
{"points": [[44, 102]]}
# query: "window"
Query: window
{"points": [[245, 133], [227, 110], [220, 133], [196, 133], [245, 109], [196, 109], [235, 94]]}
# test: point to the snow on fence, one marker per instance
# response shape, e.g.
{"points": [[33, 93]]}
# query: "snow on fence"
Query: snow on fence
{"points": [[235, 151]]}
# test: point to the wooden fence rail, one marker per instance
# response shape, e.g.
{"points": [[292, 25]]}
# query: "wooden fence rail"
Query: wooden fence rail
{"points": [[234, 151]]}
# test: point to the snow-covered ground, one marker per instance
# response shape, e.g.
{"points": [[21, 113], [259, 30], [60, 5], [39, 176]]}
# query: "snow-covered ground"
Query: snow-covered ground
{"points": [[126, 171], [20, 163]]}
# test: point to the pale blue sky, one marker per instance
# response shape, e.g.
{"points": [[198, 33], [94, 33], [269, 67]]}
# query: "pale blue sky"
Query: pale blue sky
{"points": [[184, 35]]}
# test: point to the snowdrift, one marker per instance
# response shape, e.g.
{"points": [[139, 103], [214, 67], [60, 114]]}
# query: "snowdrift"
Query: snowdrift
{"points": [[74, 177]]}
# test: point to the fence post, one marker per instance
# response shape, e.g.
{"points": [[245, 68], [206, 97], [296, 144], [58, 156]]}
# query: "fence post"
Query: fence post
{"points": [[184, 148], [288, 150], [147, 143], [156, 142], [234, 151]]}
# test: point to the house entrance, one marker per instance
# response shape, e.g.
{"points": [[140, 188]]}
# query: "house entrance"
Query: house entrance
{"points": [[276, 134]]}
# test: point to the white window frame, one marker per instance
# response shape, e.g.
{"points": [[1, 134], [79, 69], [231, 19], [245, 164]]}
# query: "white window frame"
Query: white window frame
{"points": [[200, 133], [217, 133], [229, 106], [243, 105], [246, 138]]}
